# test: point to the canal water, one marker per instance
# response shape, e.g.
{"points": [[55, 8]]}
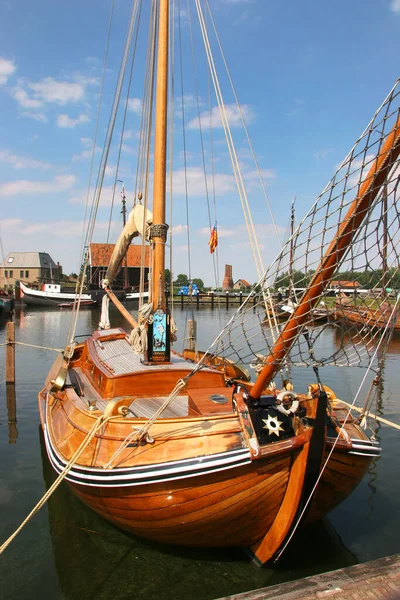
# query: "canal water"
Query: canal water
{"points": [[67, 551]]}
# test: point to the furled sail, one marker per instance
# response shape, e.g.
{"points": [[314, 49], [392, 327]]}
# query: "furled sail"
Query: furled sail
{"points": [[136, 224]]}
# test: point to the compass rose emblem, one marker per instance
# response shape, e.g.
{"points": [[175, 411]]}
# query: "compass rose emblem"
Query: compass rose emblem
{"points": [[273, 425]]}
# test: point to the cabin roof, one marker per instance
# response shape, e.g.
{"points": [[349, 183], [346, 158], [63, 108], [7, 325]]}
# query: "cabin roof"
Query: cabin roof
{"points": [[28, 260], [100, 255]]}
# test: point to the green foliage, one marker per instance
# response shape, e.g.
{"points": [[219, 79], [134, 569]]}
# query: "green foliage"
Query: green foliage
{"points": [[167, 275], [199, 283], [182, 279]]}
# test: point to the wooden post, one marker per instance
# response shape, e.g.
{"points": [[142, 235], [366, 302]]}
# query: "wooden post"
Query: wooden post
{"points": [[192, 334], [241, 297], [10, 353], [181, 300], [212, 300], [11, 413], [227, 299], [198, 300]]}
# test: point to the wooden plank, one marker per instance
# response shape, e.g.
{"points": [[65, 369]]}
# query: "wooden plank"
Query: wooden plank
{"points": [[376, 579]]}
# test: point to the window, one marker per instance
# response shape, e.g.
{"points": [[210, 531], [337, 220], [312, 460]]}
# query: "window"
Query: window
{"points": [[26, 274], [11, 259], [21, 274], [11, 273], [6, 274]]}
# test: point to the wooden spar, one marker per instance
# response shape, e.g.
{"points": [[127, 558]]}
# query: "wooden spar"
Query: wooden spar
{"points": [[347, 230], [121, 308], [160, 161]]}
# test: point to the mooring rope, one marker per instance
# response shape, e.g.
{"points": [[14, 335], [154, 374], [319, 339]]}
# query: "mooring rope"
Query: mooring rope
{"points": [[102, 420], [32, 346]]}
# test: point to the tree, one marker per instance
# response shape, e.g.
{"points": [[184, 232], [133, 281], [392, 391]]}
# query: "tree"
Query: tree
{"points": [[182, 279], [167, 275], [199, 283]]}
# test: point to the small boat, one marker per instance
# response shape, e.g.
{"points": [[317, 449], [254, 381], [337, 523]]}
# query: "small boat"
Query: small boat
{"points": [[6, 303], [50, 295], [136, 295], [83, 303], [185, 448]]}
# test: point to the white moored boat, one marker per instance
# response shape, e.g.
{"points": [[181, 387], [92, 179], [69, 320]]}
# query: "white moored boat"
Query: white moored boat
{"points": [[51, 295]]}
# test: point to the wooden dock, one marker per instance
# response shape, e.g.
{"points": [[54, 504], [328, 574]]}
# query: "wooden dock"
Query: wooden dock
{"points": [[374, 580], [211, 300]]}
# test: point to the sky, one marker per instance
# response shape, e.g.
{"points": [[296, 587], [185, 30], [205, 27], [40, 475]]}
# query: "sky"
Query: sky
{"points": [[308, 74]]}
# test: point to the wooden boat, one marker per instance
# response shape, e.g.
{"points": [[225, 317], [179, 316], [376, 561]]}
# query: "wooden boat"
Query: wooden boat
{"points": [[185, 450], [362, 315], [50, 295], [83, 303]]}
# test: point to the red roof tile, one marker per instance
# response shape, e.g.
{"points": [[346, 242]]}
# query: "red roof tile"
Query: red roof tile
{"points": [[101, 254]]}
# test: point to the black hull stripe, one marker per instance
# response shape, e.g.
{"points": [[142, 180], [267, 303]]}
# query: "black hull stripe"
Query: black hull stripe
{"points": [[144, 475]]}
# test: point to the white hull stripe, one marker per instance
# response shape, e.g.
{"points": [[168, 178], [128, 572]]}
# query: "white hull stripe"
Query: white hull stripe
{"points": [[365, 448], [149, 474]]}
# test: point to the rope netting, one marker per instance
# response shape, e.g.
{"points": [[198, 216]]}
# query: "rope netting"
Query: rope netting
{"points": [[353, 282]]}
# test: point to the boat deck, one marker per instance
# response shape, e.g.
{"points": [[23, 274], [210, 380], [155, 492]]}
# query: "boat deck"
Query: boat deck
{"points": [[120, 358]]}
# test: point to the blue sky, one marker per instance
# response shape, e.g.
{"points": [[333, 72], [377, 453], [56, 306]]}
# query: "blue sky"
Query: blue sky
{"points": [[308, 73]]}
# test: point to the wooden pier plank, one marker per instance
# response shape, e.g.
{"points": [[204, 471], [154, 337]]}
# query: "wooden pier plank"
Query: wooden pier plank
{"points": [[378, 579]]}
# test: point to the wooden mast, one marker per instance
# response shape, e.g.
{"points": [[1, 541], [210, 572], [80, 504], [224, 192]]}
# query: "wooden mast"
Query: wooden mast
{"points": [[160, 161], [358, 210]]}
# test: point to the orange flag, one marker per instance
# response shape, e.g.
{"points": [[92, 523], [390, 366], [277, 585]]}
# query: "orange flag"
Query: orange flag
{"points": [[213, 243]]}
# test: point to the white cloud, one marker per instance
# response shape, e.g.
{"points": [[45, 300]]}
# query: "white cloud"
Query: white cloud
{"points": [[20, 95], [135, 105], [7, 68], [106, 196], [82, 156], [58, 92], [22, 162], [26, 187], [178, 229], [110, 171], [35, 116], [322, 153], [232, 114], [222, 232], [224, 183], [65, 122], [87, 142], [395, 6], [253, 175]]}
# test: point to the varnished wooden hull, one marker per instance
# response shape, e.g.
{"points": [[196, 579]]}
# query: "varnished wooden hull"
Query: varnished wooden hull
{"points": [[228, 509], [361, 317]]}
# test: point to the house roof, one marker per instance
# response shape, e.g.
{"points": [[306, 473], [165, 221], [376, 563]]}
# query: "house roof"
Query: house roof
{"points": [[243, 282], [100, 255], [28, 260], [343, 284]]}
